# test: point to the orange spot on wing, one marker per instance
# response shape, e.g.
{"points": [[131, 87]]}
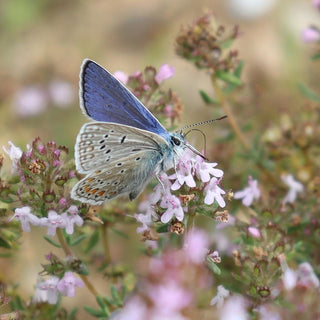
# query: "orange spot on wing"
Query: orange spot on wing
{"points": [[94, 191], [100, 193]]}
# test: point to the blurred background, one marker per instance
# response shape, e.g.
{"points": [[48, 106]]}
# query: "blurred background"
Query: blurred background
{"points": [[43, 43]]}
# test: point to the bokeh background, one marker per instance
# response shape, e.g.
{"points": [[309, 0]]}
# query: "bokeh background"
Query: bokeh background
{"points": [[43, 43]]}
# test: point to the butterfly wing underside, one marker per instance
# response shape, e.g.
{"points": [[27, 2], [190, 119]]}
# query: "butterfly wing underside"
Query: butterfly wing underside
{"points": [[99, 144], [126, 176]]}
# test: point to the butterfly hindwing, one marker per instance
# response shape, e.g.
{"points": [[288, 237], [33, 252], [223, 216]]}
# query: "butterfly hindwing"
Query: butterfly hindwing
{"points": [[99, 144], [104, 98], [126, 176]]}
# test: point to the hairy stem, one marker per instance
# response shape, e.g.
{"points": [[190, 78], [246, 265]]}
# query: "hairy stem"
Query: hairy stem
{"points": [[105, 242]]}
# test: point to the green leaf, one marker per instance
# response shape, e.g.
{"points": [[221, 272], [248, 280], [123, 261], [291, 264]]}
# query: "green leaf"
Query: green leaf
{"points": [[308, 93], [239, 68], [120, 233], [94, 312], [92, 241], [316, 56], [56, 244], [228, 77], [103, 305], [76, 241], [163, 228], [207, 99], [4, 244], [115, 296], [213, 267], [6, 200], [72, 314]]}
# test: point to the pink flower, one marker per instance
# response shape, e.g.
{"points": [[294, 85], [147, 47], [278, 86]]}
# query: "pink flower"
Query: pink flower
{"points": [[218, 300], [183, 175], [71, 218], [26, 218], [196, 246], [174, 209], [316, 3], [14, 154], [254, 232], [289, 279], [145, 220], [53, 222], [134, 309], [234, 309], [160, 189], [169, 298], [61, 93], [121, 76], [68, 284], [31, 101], [249, 193], [214, 193], [295, 187], [306, 276], [50, 286], [205, 169], [165, 72], [310, 35]]}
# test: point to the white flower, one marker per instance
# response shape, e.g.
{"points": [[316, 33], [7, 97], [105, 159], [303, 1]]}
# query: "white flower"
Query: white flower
{"points": [[214, 193], [205, 169], [14, 154], [218, 300], [53, 222], [174, 209], [249, 193], [295, 187], [234, 309], [50, 288], [71, 218]]}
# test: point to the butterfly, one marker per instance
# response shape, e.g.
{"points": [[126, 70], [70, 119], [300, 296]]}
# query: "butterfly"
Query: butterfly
{"points": [[125, 146]]}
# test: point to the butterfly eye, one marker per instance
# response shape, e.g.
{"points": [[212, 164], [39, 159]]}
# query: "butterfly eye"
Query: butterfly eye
{"points": [[175, 141]]}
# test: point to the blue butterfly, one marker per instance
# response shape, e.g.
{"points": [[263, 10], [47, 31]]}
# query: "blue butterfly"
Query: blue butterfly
{"points": [[125, 146]]}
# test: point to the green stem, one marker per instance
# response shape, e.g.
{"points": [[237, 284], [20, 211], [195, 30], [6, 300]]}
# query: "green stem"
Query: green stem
{"points": [[68, 252], [105, 242], [190, 222]]}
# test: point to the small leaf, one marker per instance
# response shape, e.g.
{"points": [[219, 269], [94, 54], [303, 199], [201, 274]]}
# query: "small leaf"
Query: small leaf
{"points": [[213, 267], [92, 241], [4, 244], [308, 93], [6, 200], [103, 305], [228, 77], [115, 296], [96, 313], [163, 228], [56, 244], [120, 233], [207, 99], [77, 240]]}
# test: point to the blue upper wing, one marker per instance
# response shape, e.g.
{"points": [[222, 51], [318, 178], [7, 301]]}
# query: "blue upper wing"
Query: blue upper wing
{"points": [[104, 98]]}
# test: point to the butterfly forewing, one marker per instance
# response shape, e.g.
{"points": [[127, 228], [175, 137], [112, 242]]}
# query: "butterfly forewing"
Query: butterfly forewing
{"points": [[104, 98], [126, 176], [99, 144]]}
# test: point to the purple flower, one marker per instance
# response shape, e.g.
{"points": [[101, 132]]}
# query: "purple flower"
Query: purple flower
{"points": [[61, 93], [67, 284], [205, 169], [310, 34], [71, 218], [196, 246], [31, 101], [218, 300], [165, 72], [214, 193], [53, 222], [134, 309], [26, 218], [249, 193], [174, 209], [14, 154], [295, 187], [50, 286], [160, 189], [306, 276], [121, 76], [234, 309]]}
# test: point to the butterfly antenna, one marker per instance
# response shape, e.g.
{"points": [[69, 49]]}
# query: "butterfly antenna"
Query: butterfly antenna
{"points": [[201, 123], [194, 149]]}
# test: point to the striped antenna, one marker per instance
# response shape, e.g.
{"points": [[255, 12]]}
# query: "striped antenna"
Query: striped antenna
{"points": [[201, 123]]}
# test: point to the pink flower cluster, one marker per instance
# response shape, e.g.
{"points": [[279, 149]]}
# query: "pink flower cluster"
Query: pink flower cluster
{"points": [[66, 220], [193, 175], [49, 290], [164, 290]]}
